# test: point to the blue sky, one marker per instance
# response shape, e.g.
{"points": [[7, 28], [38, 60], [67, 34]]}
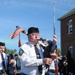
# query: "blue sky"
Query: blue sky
{"points": [[28, 13]]}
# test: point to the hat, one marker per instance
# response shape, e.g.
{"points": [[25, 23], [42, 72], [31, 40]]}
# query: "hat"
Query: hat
{"points": [[33, 30], [16, 55], [2, 44]]}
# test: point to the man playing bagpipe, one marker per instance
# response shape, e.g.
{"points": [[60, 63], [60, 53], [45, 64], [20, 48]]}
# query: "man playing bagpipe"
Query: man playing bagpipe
{"points": [[36, 57]]}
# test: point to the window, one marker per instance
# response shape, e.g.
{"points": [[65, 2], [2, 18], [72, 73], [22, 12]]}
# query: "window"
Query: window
{"points": [[69, 23], [70, 48]]}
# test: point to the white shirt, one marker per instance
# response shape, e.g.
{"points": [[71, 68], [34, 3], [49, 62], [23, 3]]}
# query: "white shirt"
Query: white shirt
{"points": [[5, 59], [29, 61], [52, 66]]}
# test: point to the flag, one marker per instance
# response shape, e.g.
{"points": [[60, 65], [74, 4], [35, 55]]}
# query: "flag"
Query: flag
{"points": [[16, 32]]}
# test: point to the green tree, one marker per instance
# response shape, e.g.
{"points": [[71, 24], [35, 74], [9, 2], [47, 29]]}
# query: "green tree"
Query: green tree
{"points": [[10, 51]]}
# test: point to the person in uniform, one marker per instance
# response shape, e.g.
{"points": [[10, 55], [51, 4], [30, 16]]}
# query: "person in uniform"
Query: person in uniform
{"points": [[4, 61], [31, 55]]}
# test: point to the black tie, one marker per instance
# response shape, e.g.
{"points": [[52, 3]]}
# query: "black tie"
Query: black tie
{"points": [[37, 52], [3, 62], [38, 57]]}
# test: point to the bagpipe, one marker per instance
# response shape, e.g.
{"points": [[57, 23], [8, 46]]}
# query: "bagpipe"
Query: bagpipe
{"points": [[50, 51], [48, 46], [60, 62]]}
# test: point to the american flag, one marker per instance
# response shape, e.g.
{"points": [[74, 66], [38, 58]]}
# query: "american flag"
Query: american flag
{"points": [[16, 32]]}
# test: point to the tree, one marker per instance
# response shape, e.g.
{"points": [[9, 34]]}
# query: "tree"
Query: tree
{"points": [[10, 51]]}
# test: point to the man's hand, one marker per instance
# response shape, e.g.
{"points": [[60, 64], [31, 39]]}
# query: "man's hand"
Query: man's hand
{"points": [[12, 61], [15, 72], [47, 61]]}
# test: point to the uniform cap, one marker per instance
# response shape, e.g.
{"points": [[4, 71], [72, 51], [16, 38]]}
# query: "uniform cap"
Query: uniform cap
{"points": [[2, 44], [16, 55], [33, 30]]}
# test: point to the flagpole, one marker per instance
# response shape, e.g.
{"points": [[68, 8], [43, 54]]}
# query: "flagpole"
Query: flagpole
{"points": [[54, 23], [54, 36], [54, 18]]}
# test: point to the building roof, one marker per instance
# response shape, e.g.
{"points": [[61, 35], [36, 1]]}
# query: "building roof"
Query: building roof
{"points": [[67, 14]]}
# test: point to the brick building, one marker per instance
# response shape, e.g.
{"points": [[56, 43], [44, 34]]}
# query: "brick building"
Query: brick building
{"points": [[68, 33]]}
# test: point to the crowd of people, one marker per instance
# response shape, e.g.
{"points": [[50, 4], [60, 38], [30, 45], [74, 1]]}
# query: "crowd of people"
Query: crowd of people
{"points": [[36, 57]]}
